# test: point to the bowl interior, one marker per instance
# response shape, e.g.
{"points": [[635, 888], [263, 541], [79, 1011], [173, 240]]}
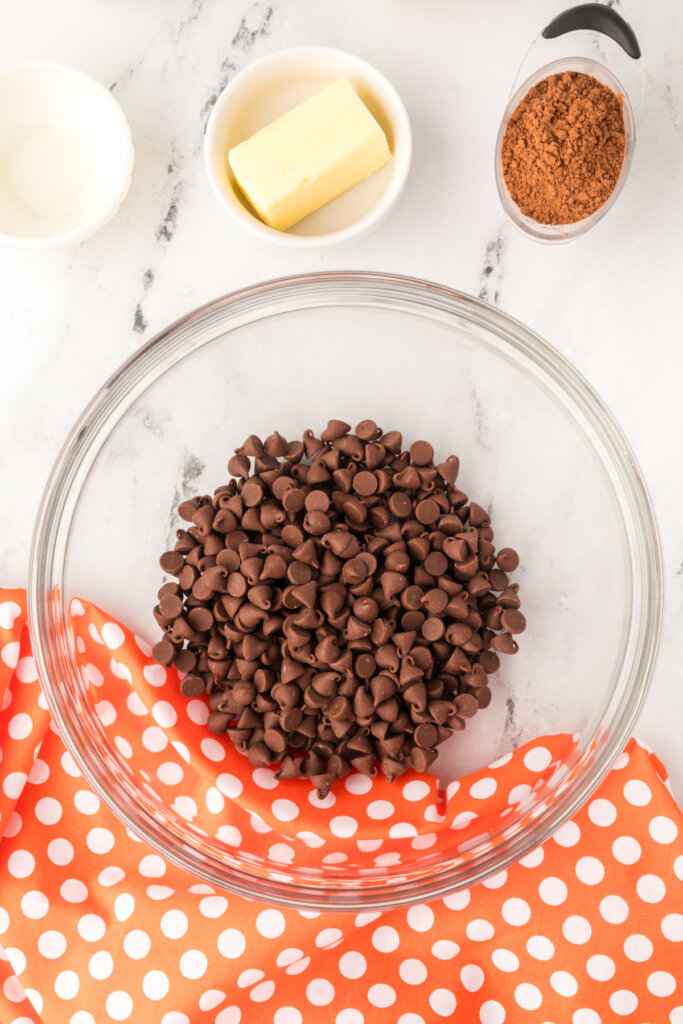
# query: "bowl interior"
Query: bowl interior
{"points": [[272, 86], [565, 232], [65, 151], [455, 373]]}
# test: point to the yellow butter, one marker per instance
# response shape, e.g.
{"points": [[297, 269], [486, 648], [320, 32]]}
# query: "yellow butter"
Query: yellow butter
{"points": [[316, 151]]}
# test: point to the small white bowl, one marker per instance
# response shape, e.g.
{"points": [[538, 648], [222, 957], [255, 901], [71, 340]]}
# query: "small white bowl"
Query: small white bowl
{"points": [[269, 88], [66, 156]]}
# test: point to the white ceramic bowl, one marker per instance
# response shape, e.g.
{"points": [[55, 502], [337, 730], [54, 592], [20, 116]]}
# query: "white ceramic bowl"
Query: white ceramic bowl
{"points": [[66, 156], [269, 88]]}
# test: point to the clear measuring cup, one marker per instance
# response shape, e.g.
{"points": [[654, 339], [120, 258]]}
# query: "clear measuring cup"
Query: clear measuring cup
{"points": [[597, 41]]}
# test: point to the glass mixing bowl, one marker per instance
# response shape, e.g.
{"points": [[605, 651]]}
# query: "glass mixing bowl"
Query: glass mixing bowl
{"points": [[536, 446]]}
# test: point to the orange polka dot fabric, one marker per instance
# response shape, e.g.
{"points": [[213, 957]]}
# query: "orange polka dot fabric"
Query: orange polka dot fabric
{"points": [[94, 927]]}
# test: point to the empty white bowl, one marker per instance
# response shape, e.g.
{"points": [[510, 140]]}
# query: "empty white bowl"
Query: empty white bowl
{"points": [[270, 87], [66, 156]]}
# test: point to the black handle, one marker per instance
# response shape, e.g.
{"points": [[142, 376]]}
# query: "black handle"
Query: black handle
{"points": [[596, 18]]}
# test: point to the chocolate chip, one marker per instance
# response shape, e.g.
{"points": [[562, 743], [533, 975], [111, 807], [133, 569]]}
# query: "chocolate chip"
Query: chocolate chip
{"points": [[339, 613]]}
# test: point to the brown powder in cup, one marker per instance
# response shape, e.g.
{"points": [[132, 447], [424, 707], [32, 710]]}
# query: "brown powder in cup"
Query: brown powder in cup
{"points": [[563, 148]]}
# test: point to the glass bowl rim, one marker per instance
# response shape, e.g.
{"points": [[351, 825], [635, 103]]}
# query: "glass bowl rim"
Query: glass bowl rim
{"points": [[427, 298]]}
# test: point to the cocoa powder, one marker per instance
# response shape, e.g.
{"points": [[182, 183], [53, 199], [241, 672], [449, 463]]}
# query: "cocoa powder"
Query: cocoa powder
{"points": [[563, 148]]}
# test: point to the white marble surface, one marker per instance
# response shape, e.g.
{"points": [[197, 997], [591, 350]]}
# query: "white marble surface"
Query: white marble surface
{"points": [[610, 302]]}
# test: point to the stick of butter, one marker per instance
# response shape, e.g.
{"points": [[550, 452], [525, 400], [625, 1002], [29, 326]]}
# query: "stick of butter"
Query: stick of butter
{"points": [[308, 156]]}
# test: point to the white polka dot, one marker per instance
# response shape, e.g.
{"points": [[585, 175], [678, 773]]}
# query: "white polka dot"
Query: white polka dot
{"points": [[197, 711], [16, 958], [420, 917], [265, 778], [602, 812], [352, 965], [385, 939], [637, 792], [528, 996], [67, 984], [412, 972], [159, 892], [26, 671], [21, 863], [415, 790], [193, 964], [650, 888], [119, 1005], [378, 810], [319, 992], [472, 977], [212, 749], [350, 1016], [13, 784], [623, 1002], [174, 924], [164, 714], [516, 911], [638, 948], [10, 654], [137, 944], [82, 1017], [463, 819], [663, 830], [231, 943], [4, 920], [442, 1002], [270, 923], [106, 712], [99, 840], [496, 881], [51, 944], [564, 983], [170, 773], [479, 930], [600, 967], [152, 866], [576, 929], [262, 992], [482, 789], [285, 810], [13, 990], [9, 612], [626, 850], [48, 810], [357, 783], [111, 875], [40, 772], [491, 1012], [155, 985], [136, 705], [175, 1017], [186, 807], [540, 948], [60, 851], [34, 904], [124, 905], [86, 802], [505, 960], [288, 956], [381, 995], [343, 826], [533, 859], [613, 909], [568, 834], [537, 759], [100, 965], [552, 891], [445, 949], [154, 674], [229, 1015], [229, 785], [586, 1016], [210, 999], [213, 906], [91, 927], [19, 726], [328, 938], [589, 870], [69, 765], [678, 867], [154, 739], [672, 927], [14, 824], [113, 635], [661, 983]]}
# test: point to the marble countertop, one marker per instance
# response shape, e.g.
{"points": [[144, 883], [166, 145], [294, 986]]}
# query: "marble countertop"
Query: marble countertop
{"points": [[609, 302]]}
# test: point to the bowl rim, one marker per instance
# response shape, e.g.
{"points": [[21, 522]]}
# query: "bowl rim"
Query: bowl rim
{"points": [[93, 223], [381, 87], [558, 234], [355, 288]]}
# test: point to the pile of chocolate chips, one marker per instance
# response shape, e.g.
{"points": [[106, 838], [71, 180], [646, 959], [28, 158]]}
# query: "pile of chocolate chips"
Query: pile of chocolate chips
{"points": [[341, 605]]}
